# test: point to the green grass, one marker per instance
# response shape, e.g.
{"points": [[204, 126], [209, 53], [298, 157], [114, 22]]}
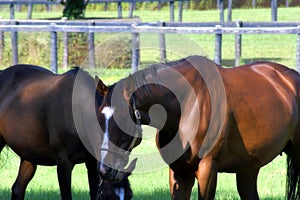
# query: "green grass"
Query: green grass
{"points": [[34, 49], [152, 185]]}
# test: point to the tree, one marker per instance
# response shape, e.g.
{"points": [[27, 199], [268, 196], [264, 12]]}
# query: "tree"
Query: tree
{"points": [[74, 9]]}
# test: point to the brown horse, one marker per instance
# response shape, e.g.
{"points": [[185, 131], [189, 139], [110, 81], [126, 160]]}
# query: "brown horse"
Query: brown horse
{"points": [[214, 120], [36, 122]]}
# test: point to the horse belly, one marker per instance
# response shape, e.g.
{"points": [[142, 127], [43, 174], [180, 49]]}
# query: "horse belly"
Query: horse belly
{"points": [[27, 137], [264, 114]]}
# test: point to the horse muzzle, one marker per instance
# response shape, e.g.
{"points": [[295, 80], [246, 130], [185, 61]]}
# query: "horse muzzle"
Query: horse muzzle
{"points": [[111, 174], [107, 173]]}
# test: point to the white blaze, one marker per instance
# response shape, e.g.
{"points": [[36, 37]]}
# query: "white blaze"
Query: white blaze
{"points": [[107, 112], [120, 192]]}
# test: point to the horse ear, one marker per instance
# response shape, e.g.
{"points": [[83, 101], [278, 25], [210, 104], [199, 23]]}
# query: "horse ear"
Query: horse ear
{"points": [[128, 86], [100, 86]]}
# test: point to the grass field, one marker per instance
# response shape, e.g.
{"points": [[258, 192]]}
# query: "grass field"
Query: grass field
{"points": [[146, 186], [154, 185]]}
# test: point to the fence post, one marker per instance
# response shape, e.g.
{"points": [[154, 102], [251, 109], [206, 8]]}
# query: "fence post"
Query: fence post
{"points": [[238, 45], [162, 44], [131, 9], [53, 49], [172, 11], [186, 4], [120, 10], [274, 10], [221, 8], [180, 10], [91, 47], [65, 41], [19, 7], [48, 7], [29, 11], [218, 45], [135, 51], [298, 51], [12, 11], [253, 3], [14, 45], [229, 14], [66, 52], [287, 3]]}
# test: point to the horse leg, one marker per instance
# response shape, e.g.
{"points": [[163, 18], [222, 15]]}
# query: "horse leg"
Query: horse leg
{"points": [[2, 143], [93, 177], [26, 173], [207, 178], [64, 173], [247, 184], [293, 169], [181, 185]]}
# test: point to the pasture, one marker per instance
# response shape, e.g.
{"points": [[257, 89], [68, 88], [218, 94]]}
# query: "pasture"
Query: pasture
{"points": [[146, 186], [154, 185]]}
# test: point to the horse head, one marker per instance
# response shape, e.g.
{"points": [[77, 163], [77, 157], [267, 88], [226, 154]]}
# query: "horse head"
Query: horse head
{"points": [[121, 134], [111, 190]]}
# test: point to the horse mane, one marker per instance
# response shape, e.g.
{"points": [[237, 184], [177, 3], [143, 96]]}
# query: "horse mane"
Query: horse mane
{"points": [[72, 73], [174, 63], [153, 71], [139, 77]]}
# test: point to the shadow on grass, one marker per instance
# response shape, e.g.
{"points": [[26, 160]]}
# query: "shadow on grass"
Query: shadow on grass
{"points": [[42, 194], [81, 195], [157, 195]]}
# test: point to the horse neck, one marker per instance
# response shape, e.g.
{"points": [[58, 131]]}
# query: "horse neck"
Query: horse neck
{"points": [[173, 93], [158, 105]]}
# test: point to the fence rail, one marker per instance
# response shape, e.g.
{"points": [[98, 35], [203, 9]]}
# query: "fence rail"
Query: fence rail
{"points": [[150, 29], [161, 28]]}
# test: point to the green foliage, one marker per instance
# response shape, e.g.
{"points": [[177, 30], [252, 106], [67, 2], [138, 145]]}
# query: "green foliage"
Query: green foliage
{"points": [[77, 48], [114, 52], [74, 9]]}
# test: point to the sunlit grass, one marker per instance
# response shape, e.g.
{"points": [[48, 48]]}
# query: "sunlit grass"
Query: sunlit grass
{"points": [[151, 185]]}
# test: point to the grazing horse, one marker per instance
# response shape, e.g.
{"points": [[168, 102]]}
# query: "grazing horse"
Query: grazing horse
{"points": [[214, 120], [36, 122]]}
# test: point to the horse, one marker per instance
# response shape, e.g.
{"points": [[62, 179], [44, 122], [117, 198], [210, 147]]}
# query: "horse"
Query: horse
{"points": [[36, 122], [214, 119]]}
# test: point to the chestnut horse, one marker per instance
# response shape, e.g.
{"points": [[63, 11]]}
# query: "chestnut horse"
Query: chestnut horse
{"points": [[213, 120], [36, 122]]}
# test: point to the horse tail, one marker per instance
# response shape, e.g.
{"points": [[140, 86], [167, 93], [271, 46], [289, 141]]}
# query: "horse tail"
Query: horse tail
{"points": [[293, 180]]}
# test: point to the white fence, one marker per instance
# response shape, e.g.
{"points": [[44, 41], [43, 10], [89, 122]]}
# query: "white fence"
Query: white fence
{"points": [[161, 28]]}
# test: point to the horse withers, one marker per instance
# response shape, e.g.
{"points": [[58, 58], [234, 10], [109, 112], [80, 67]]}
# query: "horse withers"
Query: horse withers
{"points": [[217, 120], [36, 122]]}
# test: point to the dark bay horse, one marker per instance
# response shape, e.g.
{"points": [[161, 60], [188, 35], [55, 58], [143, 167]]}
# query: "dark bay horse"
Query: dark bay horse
{"points": [[36, 122], [213, 120]]}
